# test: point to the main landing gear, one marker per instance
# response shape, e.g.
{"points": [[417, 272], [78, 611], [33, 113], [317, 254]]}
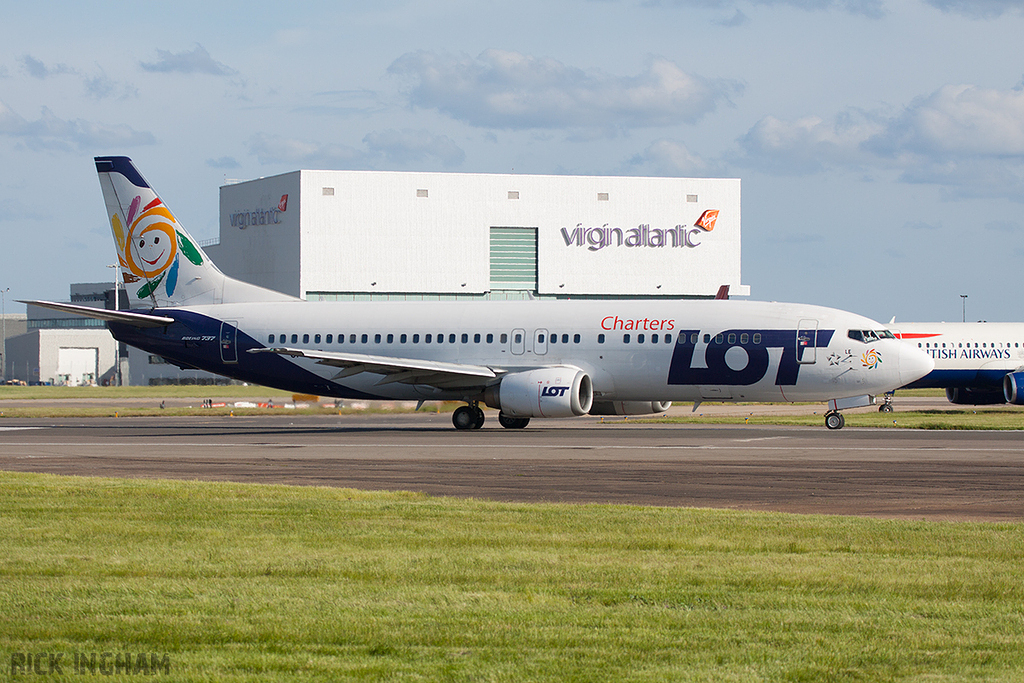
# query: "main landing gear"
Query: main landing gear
{"points": [[834, 419], [472, 417]]}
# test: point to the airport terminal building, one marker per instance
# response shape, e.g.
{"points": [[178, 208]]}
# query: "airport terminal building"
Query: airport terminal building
{"points": [[338, 235]]}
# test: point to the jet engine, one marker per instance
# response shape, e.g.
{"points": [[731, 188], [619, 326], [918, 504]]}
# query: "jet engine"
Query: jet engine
{"points": [[629, 407], [555, 391], [1013, 388], [974, 397]]}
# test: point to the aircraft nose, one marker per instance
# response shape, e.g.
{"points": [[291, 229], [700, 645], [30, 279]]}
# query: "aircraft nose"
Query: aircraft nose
{"points": [[914, 363]]}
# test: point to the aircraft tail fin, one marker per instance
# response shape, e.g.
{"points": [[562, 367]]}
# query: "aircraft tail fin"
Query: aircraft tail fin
{"points": [[161, 264]]}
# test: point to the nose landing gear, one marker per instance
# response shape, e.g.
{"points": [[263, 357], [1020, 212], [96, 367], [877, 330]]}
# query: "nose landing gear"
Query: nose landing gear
{"points": [[834, 419]]}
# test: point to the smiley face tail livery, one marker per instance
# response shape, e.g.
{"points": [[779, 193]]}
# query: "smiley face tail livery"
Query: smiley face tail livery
{"points": [[161, 265]]}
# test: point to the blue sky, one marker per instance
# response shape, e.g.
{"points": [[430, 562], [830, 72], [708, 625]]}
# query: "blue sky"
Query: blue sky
{"points": [[880, 143]]}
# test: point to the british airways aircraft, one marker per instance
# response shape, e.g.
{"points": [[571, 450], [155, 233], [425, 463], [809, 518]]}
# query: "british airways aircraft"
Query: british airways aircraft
{"points": [[528, 359], [976, 363]]}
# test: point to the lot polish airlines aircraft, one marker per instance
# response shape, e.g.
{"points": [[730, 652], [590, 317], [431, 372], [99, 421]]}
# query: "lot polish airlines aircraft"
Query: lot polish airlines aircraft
{"points": [[976, 363], [525, 358]]}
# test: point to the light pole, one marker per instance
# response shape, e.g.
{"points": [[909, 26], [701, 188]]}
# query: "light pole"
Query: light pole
{"points": [[963, 298], [117, 307], [3, 333]]}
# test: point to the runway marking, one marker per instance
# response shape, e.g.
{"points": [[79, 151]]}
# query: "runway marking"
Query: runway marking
{"points": [[762, 438], [14, 429], [517, 446]]}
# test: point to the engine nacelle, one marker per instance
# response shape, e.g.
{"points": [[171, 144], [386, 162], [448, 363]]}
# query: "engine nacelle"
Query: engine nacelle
{"points": [[1013, 388], [629, 407], [556, 391], [974, 397]]}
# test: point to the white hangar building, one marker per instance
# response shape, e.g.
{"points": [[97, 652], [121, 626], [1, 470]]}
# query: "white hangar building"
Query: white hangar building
{"points": [[341, 235]]}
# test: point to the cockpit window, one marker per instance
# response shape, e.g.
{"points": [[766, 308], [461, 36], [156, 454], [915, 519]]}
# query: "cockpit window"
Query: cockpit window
{"points": [[868, 336]]}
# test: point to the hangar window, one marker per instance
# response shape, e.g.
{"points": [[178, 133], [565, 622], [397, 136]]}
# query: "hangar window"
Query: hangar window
{"points": [[295, 339], [270, 339], [513, 194], [602, 196], [328, 191], [691, 198], [391, 339], [625, 339], [330, 339], [600, 339], [316, 339], [421, 193]]}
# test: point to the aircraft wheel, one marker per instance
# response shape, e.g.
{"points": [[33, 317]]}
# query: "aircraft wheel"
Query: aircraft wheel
{"points": [[478, 415], [464, 417], [512, 422], [885, 408], [834, 420]]}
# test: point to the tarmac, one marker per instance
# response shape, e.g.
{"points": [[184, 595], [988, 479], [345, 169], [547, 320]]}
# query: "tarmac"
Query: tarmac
{"points": [[887, 473]]}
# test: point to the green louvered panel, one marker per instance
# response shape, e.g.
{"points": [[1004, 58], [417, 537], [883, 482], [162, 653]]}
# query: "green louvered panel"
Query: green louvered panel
{"points": [[513, 258]]}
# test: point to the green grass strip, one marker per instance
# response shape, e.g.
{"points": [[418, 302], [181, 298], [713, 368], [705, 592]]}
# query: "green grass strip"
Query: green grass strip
{"points": [[264, 583]]}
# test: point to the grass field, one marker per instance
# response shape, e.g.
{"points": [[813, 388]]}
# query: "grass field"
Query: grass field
{"points": [[263, 583]]}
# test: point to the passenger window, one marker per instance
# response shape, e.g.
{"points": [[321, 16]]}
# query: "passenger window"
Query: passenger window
{"points": [[427, 338], [270, 339], [476, 338], [391, 339], [565, 339], [540, 338], [576, 339], [757, 338], [352, 339], [490, 338], [693, 337], [465, 338], [401, 340], [330, 339], [707, 338], [517, 340], [376, 338], [718, 338], [654, 339], [305, 339], [744, 338], [295, 339], [316, 339], [365, 338], [732, 338], [553, 338], [451, 338], [625, 339], [440, 338], [639, 339], [415, 339], [600, 339]]}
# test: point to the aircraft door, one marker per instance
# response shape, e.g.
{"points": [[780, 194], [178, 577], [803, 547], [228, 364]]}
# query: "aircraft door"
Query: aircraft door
{"points": [[518, 342], [540, 346], [807, 341], [228, 339]]}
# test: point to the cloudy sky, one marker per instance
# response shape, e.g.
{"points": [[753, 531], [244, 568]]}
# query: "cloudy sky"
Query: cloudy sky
{"points": [[880, 143]]}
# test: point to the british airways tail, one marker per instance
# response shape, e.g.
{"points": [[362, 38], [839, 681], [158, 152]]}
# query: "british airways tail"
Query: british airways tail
{"points": [[161, 264]]}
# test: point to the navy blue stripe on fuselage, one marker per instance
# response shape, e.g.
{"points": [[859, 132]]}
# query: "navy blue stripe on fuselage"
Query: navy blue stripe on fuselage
{"points": [[195, 340]]}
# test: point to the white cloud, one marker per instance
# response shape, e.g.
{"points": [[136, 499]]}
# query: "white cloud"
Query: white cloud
{"points": [[978, 9], [667, 157], [509, 90], [274, 149], [869, 8], [408, 145], [51, 132], [37, 69], [967, 139], [198, 61]]}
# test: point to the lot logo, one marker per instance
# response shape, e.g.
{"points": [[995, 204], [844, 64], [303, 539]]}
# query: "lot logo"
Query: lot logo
{"points": [[597, 238], [151, 247], [554, 391]]}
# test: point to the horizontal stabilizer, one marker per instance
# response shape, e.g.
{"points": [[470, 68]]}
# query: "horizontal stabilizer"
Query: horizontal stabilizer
{"points": [[125, 317]]}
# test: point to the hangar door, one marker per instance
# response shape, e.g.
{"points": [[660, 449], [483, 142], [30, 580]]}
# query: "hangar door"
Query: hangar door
{"points": [[514, 258], [77, 366]]}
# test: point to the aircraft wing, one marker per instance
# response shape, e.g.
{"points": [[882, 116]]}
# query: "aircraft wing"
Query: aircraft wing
{"points": [[125, 317], [405, 370]]}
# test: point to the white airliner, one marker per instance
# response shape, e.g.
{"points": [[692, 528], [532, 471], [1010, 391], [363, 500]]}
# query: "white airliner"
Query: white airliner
{"points": [[527, 359], [976, 363]]}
